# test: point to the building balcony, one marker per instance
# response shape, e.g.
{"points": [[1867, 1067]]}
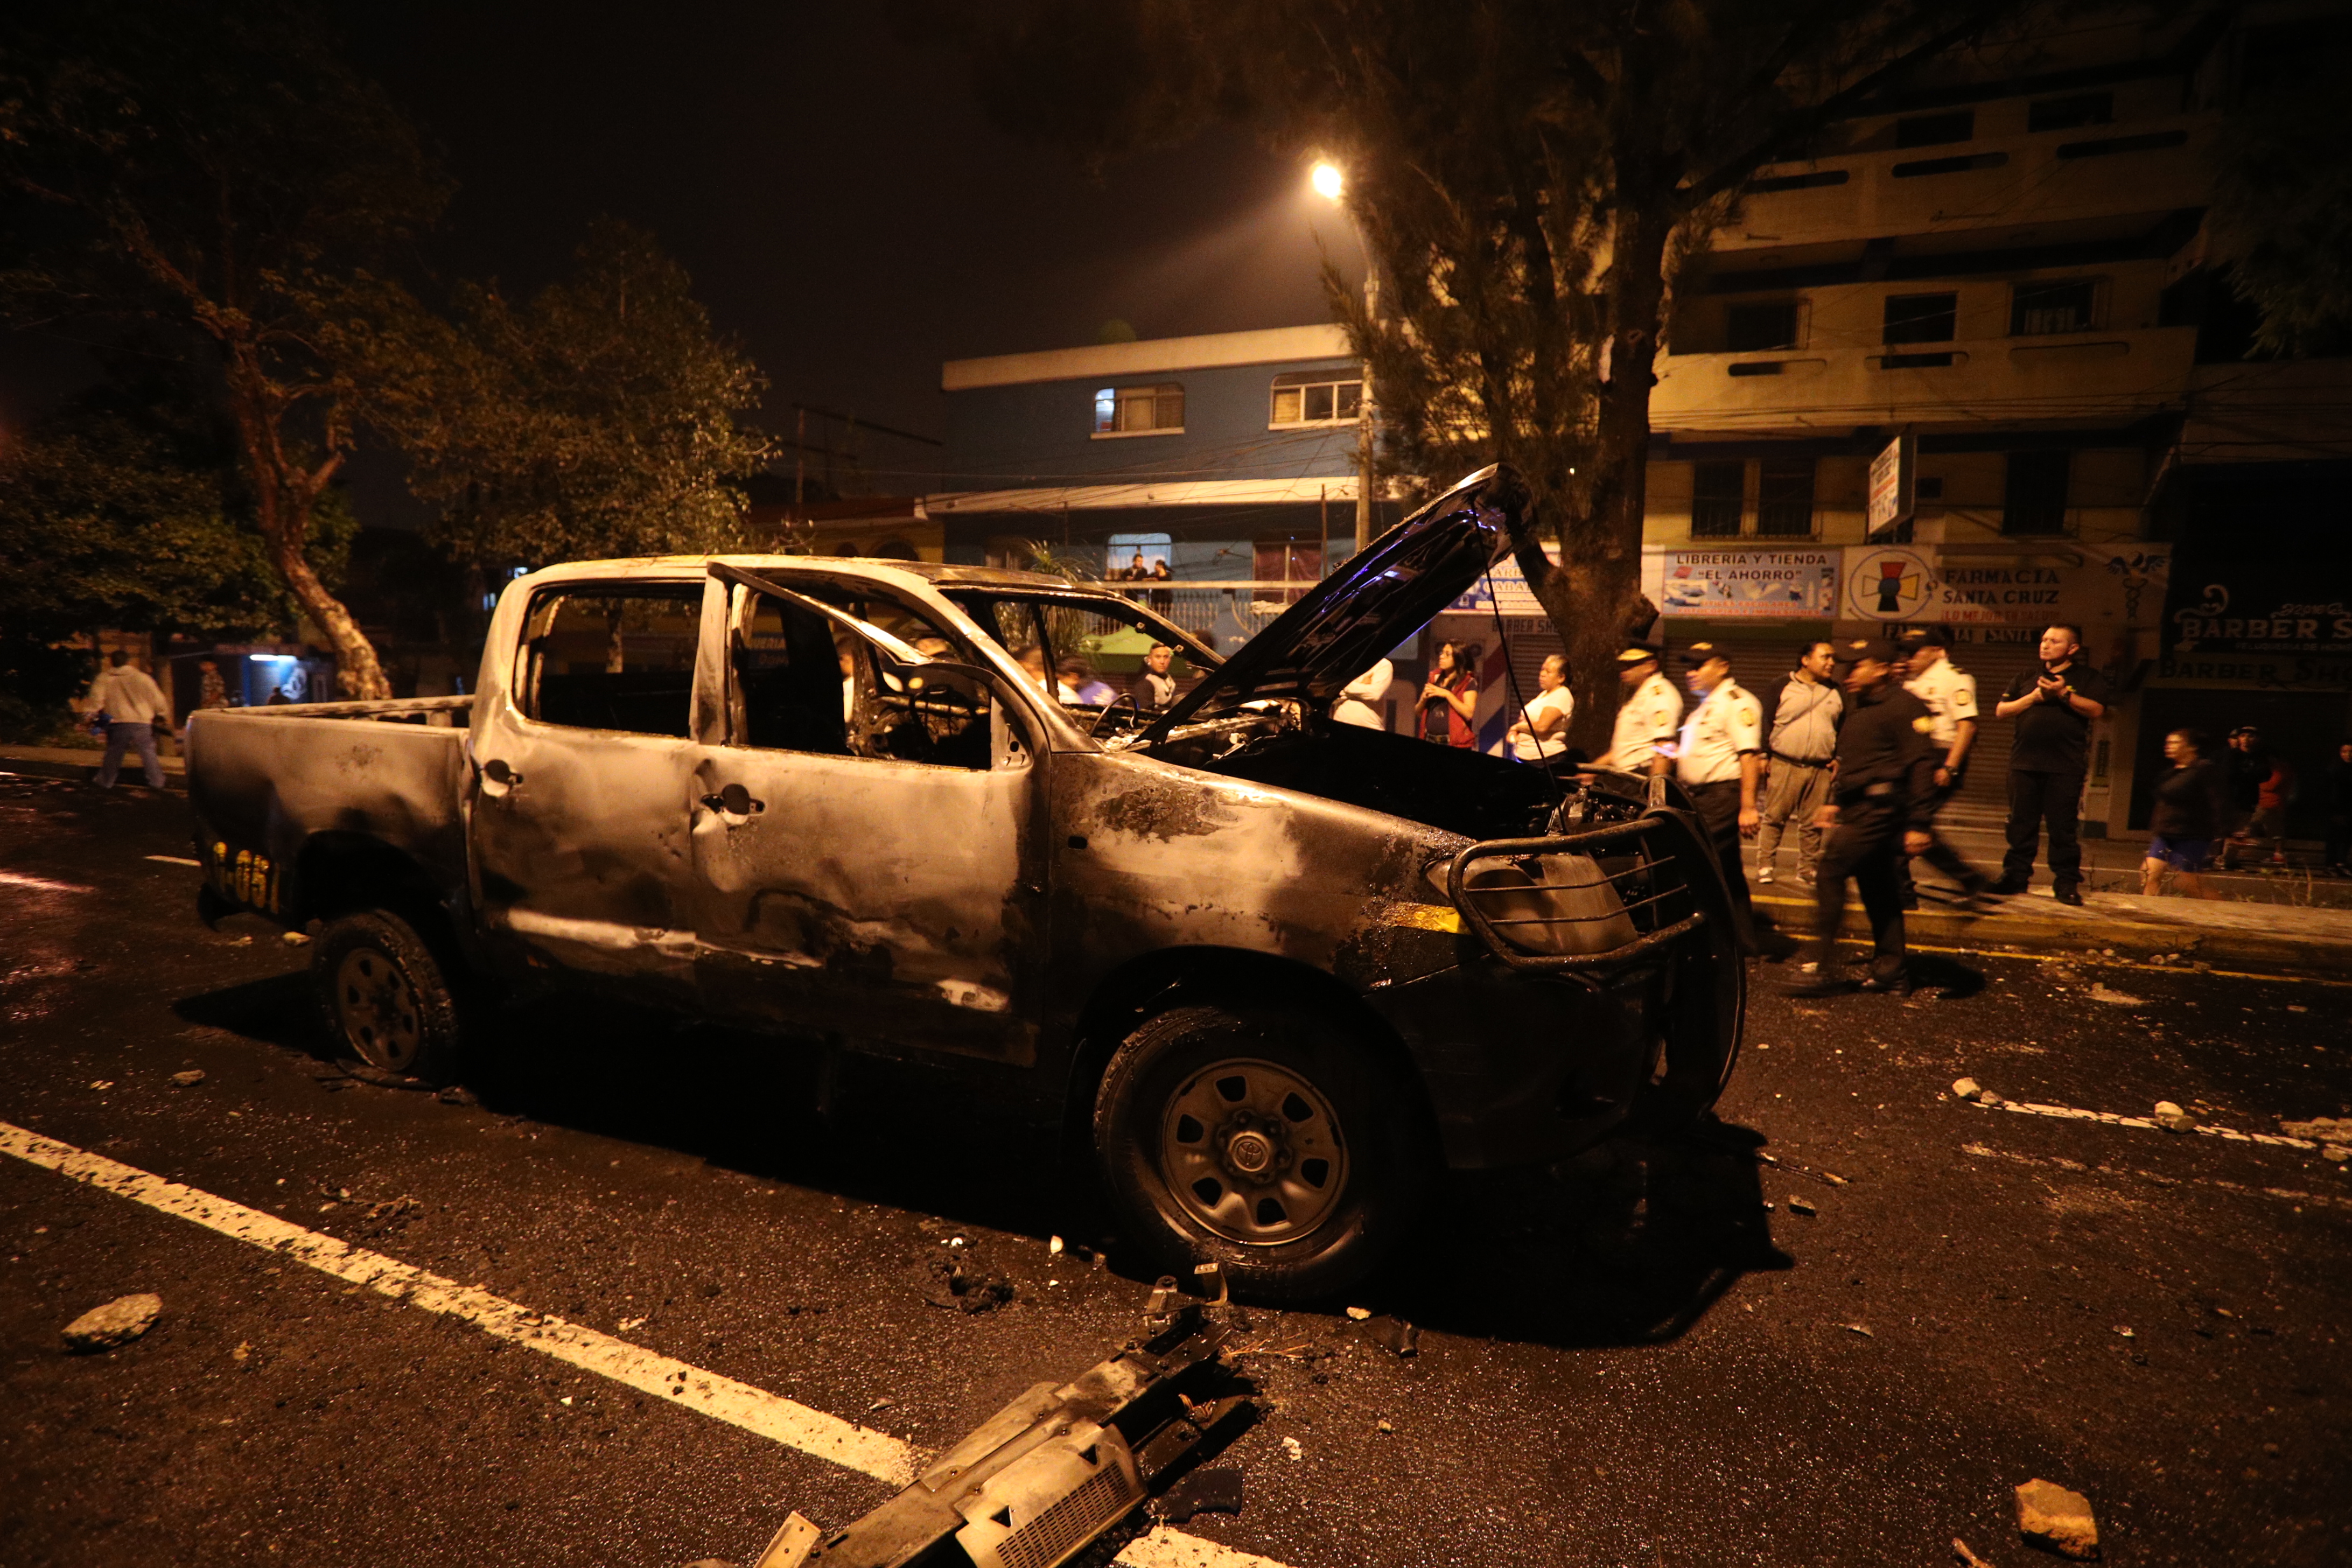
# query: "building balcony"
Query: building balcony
{"points": [[2048, 179], [2111, 377]]}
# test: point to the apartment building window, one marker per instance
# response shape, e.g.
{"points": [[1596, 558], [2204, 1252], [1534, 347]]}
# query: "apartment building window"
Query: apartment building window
{"points": [[2037, 308], [1922, 318], [2034, 500], [1936, 130], [1749, 328], [1784, 498], [1139, 410], [1316, 397], [2067, 113], [1717, 496]]}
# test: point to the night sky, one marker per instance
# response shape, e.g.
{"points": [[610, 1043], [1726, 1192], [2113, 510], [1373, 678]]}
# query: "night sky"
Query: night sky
{"points": [[827, 175]]}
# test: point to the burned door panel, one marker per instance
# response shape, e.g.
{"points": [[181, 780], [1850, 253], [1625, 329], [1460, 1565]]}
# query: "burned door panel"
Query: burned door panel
{"points": [[580, 776], [864, 859]]}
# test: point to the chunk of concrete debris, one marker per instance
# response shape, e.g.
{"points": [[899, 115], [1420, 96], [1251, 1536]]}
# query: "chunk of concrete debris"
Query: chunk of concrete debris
{"points": [[1966, 1089], [1292, 1447], [1360, 1313], [2172, 1118], [456, 1094], [1798, 1206], [189, 1078], [2116, 998], [1395, 1335], [2321, 1128], [117, 1324], [295, 939], [2057, 1520], [1215, 1490]]}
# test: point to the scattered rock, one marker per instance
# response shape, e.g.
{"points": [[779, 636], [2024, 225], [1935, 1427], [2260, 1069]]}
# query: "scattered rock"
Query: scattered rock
{"points": [[456, 1094], [1290, 1446], [243, 1353], [2336, 1153], [630, 1325], [2124, 1330], [1053, 1247], [101, 1084], [1384, 1426], [1217, 1490], [1360, 1313], [2116, 998], [1989, 1100], [354, 1068], [1857, 1329], [189, 1078], [2172, 1118], [118, 1323], [1966, 1089], [295, 939], [2057, 1520], [1392, 1334], [1798, 1206], [2321, 1128]]}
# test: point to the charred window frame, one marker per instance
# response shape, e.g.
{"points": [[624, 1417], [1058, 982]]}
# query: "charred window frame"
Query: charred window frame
{"points": [[1157, 410], [616, 655], [801, 682]]}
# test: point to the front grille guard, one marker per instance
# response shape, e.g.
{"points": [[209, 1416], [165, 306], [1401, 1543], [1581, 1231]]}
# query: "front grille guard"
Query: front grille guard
{"points": [[1653, 914]]}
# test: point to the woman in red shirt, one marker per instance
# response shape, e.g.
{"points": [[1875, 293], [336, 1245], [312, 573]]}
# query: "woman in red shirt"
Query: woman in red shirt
{"points": [[1449, 698]]}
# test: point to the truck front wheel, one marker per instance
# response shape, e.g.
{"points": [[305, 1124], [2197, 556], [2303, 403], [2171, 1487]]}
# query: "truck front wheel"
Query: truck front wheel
{"points": [[388, 1000], [1269, 1141]]}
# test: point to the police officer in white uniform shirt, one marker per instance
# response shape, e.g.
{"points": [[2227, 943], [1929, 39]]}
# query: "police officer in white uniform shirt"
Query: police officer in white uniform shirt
{"points": [[1950, 693], [1644, 740], [1719, 759]]}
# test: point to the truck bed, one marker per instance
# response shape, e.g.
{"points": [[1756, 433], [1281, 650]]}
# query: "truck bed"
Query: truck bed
{"points": [[284, 786]]}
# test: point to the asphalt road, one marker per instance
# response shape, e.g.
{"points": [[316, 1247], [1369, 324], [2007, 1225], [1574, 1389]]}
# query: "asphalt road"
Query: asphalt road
{"points": [[1631, 1360]]}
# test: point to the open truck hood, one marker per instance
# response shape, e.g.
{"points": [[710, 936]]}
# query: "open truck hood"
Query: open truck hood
{"points": [[1347, 623]]}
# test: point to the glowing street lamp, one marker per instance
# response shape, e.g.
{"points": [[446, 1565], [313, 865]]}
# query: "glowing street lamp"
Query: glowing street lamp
{"points": [[1327, 181]]}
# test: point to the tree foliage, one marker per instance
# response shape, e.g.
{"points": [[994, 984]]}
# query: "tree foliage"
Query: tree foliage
{"points": [[212, 170], [1529, 175], [2282, 212], [597, 418]]}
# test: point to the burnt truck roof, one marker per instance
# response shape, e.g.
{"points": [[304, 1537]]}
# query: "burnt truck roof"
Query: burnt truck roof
{"points": [[877, 567]]}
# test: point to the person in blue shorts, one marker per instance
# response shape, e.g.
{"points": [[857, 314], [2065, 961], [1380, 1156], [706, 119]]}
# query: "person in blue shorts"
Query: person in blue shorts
{"points": [[2190, 815]]}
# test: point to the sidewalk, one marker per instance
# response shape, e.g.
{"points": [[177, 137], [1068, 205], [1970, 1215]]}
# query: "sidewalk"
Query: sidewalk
{"points": [[81, 765], [2185, 931]]}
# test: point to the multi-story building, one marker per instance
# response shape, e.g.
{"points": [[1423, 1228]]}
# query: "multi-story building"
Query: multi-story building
{"points": [[1999, 278]]}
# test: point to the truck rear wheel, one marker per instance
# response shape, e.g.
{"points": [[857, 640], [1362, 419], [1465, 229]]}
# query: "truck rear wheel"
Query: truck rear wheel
{"points": [[388, 1000], [1267, 1140]]}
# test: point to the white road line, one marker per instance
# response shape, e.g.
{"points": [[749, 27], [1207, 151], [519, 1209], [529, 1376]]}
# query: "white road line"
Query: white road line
{"points": [[755, 1410], [2146, 1123], [38, 884], [177, 861]]}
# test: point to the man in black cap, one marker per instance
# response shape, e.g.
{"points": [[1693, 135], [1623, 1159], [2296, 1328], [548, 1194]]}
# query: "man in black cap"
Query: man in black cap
{"points": [[1879, 811]]}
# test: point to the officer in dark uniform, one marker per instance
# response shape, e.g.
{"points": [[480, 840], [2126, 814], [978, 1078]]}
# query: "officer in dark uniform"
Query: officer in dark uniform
{"points": [[1881, 808]]}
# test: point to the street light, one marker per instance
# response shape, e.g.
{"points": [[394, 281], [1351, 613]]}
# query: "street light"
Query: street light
{"points": [[1329, 182]]}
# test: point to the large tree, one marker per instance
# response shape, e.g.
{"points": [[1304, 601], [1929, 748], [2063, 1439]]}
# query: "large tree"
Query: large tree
{"points": [[597, 418], [1528, 175], [212, 170]]}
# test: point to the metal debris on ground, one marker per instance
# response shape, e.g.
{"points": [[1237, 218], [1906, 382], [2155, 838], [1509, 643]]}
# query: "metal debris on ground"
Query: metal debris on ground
{"points": [[1215, 1490], [189, 1078], [2050, 1517], [117, 1324], [1056, 1468]]}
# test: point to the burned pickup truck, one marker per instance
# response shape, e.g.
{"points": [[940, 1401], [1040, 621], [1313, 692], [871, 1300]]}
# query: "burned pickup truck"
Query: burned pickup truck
{"points": [[1270, 971]]}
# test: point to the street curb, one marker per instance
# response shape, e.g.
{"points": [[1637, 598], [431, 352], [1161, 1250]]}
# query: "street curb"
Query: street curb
{"points": [[86, 773], [2091, 931]]}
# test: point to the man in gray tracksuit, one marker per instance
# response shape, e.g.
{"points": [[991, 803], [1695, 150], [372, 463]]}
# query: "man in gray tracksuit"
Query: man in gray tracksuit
{"points": [[1803, 740]]}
